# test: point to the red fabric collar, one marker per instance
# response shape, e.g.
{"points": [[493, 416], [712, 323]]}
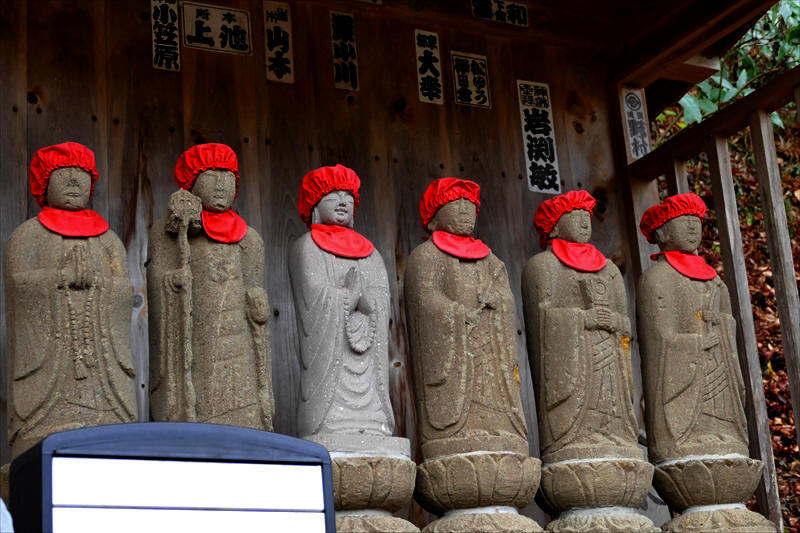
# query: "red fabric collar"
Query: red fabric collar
{"points": [[462, 246], [689, 264], [341, 241], [83, 223], [227, 227], [578, 255]]}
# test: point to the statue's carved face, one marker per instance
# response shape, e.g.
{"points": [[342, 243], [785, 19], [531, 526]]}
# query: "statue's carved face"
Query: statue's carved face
{"points": [[681, 233], [216, 189], [69, 188], [575, 226], [335, 209], [456, 217]]}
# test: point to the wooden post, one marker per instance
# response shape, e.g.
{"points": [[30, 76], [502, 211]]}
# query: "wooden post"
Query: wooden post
{"points": [[677, 181], [736, 278], [780, 248]]}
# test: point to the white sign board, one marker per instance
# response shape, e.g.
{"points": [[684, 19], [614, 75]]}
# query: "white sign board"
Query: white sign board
{"points": [[471, 79], [634, 120], [134, 495]]}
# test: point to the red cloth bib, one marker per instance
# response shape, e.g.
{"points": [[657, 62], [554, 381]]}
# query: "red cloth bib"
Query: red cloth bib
{"points": [[83, 223], [341, 241], [227, 227], [689, 264], [462, 246], [578, 255]]}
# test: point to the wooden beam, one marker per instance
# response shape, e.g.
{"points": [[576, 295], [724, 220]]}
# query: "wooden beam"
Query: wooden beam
{"points": [[726, 122], [677, 181], [730, 238], [694, 70], [710, 21], [780, 248]]}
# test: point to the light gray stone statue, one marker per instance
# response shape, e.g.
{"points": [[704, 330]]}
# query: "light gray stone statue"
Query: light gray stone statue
{"points": [[341, 298], [68, 307], [579, 349], [694, 396], [208, 311], [460, 317]]}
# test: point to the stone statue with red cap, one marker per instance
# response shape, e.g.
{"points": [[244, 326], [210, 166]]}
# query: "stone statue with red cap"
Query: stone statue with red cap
{"points": [[694, 396], [341, 299], [578, 336], [208, 311], [68, 307], [460, 319]]}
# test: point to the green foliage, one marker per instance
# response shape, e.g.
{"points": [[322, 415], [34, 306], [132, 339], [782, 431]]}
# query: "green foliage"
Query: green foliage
{"points": [[770, 47]]}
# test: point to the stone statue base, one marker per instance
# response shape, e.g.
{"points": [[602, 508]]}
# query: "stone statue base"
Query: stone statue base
{"points": [[372, 522], [466, 487], [707, 480], [373, 476], [598, 494], [710, 491], [484, 519], [602, 520], [596, 483], [733, 518]]}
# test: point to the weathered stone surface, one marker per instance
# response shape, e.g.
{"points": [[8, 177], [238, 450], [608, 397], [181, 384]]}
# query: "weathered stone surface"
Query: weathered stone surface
{"points": [[477, 480], [707, 481], [68, 312], [208, 312], [373, 523], [693, 386], [579, 350], [461, 329], [483, 523], [722, 520], [372, 482], [607, 483], [602, 520], [696, 428], [341, 299], [460, 317]]}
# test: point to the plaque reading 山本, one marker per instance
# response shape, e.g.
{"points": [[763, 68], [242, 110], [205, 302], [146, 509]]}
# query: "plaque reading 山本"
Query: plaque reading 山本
{"points": [[278, 41], [538, 137]]}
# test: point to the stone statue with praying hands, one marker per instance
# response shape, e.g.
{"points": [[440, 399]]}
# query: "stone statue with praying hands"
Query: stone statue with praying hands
{"points": [[341, 298], [209, 348], [578, 335], [460, 316], [694, 395], [68, 305]]}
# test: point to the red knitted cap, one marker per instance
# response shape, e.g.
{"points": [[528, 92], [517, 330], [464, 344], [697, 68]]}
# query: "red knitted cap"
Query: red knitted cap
{"points": [[672, 207], [444, 190], [321, 181], [202, 157], [552, 209], [49, 158]]}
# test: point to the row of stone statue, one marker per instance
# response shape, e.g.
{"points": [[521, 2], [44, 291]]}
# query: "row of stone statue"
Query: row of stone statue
{"points": [[69, 305]]}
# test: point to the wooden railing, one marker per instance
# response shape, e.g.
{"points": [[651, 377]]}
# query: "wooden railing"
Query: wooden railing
{"points": [[711, 136]]}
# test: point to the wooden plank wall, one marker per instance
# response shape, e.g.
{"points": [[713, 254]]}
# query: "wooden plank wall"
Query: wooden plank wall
{"points": [[81, 70]]}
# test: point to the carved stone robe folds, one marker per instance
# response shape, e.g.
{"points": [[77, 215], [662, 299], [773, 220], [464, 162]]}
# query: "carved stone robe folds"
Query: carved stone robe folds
{"points": [[227, 377], [582, 376], [693, 386], [344, 349], [69, 348], [460, 316]]}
